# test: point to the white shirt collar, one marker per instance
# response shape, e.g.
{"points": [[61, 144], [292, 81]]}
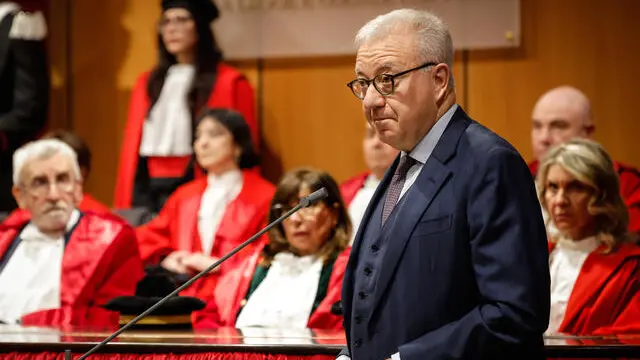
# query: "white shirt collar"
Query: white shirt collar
{"points": [[423, 150], [585, 245], [227, 179]]}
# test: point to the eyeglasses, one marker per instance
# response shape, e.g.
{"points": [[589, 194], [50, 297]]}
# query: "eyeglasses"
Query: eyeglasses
{"points": [[383, 83], [41, 187], [307, 213]]}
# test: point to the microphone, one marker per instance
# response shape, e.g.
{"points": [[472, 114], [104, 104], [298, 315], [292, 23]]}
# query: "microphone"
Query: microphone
{"points": [[304, 202], [314, 197]]}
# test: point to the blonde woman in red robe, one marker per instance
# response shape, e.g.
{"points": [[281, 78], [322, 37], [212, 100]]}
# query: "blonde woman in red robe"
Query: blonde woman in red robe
{"points": [[209, 216], [594, 262], [296, 277], [156, 155]]}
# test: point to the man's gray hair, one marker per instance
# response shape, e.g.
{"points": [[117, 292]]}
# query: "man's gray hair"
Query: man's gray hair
{"points": [[432, 34], [42, 150]]}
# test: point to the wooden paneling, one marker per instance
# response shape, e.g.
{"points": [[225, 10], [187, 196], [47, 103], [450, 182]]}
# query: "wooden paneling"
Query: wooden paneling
{"points": [[309, 117], [582, 43], [101, 47]]}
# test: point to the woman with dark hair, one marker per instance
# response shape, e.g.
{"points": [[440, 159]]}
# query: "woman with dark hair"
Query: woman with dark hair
{"points": [[209, 216], [295, 278], [156, 155]]}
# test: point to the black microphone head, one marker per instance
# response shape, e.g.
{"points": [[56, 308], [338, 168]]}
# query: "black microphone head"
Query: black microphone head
{"points": [[314, 197]]}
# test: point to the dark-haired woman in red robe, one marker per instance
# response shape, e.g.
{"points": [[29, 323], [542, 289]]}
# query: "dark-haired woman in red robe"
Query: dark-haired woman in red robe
{"points": [[156, 155], [295, 279], [209, 216]]}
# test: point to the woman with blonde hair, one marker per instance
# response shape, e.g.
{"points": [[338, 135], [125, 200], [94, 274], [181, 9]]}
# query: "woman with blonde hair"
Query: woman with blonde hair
{"points": [[594, 263]]}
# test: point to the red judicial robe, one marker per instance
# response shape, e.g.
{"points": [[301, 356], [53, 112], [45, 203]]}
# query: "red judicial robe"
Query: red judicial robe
{"points": [[176, 226], [350, 187], [100, 261], [89, 203], [231, 90], [605, 299], [629, 189], [232, 289]]}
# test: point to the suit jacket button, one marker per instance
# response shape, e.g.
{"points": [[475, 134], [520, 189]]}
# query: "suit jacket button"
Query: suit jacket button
{"points": [[362, 295], [358, 343], [358, 319], [375, 248], [367, 271]]}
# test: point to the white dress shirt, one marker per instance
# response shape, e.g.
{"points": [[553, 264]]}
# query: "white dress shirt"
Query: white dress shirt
{"points": [[360, 202], [423, 150], [421, 154], [30, 281], [284, 299], [167, 131], [565, 263], [220, 191]]}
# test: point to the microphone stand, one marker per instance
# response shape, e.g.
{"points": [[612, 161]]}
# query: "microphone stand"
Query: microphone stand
{"points": [[304, 202]]}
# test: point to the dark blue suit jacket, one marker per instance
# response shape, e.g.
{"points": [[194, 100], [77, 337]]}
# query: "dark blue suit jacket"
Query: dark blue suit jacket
{"points": [[465, 274]]}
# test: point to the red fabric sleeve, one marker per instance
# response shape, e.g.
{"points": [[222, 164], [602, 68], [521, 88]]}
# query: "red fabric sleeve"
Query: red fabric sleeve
{"points": [[138, 107], [154, 237]]}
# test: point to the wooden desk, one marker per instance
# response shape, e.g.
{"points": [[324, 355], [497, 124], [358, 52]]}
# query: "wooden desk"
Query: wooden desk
{"points": [[226, 343]]}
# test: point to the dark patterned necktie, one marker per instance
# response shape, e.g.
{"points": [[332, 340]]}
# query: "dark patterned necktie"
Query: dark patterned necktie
{"points": [[395, 187]]}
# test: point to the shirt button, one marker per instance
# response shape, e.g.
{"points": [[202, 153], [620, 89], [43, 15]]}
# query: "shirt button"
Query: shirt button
{"points": [[362, 295], [357, 343]]}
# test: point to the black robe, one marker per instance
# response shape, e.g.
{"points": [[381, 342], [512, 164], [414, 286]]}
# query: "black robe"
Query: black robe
{"points": [[24, 88]]}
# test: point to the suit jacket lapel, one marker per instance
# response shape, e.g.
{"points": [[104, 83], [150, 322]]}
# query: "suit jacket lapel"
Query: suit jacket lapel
{"points": [[433, 176]]}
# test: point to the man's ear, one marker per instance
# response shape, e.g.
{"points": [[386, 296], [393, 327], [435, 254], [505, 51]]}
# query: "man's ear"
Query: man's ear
{"points": [[18, 195], [441, 77]]}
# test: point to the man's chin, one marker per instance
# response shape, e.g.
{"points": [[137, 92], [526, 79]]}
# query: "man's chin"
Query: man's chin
{"points": [[388, 137], [56, 219]]}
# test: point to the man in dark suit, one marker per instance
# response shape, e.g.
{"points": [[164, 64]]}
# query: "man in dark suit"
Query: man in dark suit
{"points": [[24, 87], [450, 261]]}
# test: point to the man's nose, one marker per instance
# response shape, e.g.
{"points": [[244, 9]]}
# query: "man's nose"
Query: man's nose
{"points": [[54, 192], [545, 135], [372, 98]]}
